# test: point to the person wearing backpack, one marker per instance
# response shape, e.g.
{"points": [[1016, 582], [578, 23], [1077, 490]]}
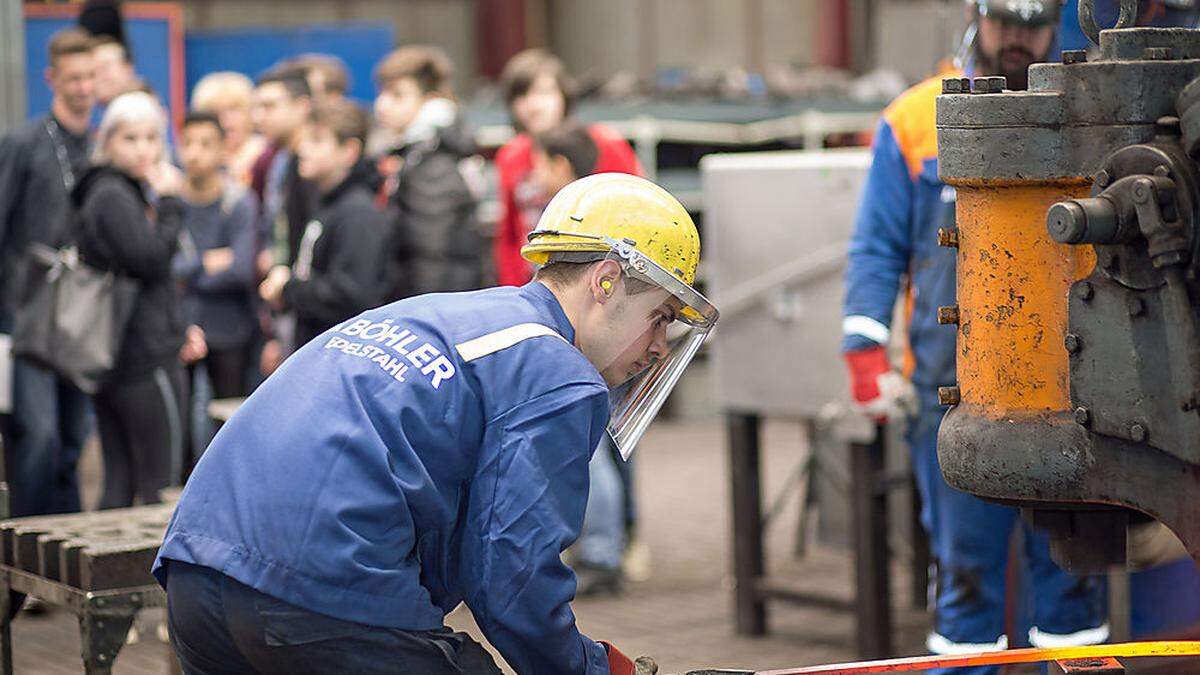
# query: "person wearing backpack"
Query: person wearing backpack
{"points": [[123, 230]]}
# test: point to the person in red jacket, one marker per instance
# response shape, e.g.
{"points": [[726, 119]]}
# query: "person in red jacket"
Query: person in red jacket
{"points": [[539, 97]]}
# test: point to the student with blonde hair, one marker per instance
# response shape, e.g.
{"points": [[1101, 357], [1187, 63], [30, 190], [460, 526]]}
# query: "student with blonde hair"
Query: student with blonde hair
{"points": [[230, 96], [130, 218]]}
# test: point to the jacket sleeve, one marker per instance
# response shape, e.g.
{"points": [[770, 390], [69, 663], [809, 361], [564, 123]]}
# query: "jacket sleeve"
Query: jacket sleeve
{"points": [[13, 163], [241, 233], [506, 244], [353, 279], [527, 505], [880, 247], [139, 248]]}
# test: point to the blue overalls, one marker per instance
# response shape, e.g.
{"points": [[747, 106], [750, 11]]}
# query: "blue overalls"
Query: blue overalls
{"points": [[903, 205], [426, 453]]}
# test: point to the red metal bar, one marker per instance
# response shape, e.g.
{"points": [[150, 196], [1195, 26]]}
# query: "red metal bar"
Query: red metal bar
{"points": [[1011, 656]]}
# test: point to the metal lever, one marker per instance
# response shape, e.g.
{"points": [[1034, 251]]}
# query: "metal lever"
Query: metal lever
{"points": [[1087, 18]]}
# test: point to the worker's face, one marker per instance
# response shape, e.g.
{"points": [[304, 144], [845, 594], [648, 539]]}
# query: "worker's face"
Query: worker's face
{"points": [[1008, 49], [543, 107], [398, 104], [201, 149], [135, 147], [624, 333], [551, 173], [114, 73], [72, 78], [277, 115]]}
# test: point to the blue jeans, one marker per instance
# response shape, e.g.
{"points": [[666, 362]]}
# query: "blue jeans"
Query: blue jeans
{"points": [[602, 539], [51, 420], [969, 538], [220, 626]]}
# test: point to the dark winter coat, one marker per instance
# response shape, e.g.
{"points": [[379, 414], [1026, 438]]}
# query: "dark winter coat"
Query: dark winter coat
{"points": [[439, 247], [121, 232]]}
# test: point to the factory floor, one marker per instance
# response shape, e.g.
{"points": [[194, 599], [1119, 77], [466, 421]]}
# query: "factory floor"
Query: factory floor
{"points": [[681, 614]]}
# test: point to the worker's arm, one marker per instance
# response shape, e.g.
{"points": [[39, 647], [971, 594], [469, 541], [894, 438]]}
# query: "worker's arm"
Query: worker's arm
{"points": [[880, 247], [879, 254], [527, 504]]}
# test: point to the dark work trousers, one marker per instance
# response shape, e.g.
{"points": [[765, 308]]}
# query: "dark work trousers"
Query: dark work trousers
{"points": [[227, 369], [142, 435], [221, 627], [51, 420]]}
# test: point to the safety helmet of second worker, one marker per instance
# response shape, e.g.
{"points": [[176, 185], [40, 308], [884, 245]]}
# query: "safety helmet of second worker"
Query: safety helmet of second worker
{"points": [[1005, 37], [639, 320]]}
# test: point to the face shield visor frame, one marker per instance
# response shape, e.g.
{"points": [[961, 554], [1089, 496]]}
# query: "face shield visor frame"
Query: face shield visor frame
{"points": [[638, 396]]}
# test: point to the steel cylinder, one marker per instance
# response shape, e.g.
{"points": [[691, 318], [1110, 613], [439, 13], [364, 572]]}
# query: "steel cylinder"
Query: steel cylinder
{"points": [[1013, 281]]}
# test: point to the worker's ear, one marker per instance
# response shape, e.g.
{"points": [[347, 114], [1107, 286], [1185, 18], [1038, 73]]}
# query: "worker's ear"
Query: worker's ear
{"points": [[603, 280]]}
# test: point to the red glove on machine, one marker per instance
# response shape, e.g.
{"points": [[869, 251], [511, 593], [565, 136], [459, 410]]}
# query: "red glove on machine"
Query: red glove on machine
{"points": [[619, 664], [877, 388]]}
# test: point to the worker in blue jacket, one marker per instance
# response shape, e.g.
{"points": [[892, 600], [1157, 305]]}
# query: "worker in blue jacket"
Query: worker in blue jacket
{"points": [[894, 243], [435, 451]]}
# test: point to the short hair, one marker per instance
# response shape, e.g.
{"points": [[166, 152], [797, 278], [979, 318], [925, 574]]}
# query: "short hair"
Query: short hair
{"points": [[427, 65], [110, 41], [220, 89], [68, 42], [525, 67], [562, 273], [345, 119], [292, 78], [573, 142], [136, 106], [196, 117], [337, 77]]}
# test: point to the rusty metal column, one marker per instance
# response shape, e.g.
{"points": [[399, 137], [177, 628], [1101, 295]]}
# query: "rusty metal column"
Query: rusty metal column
{"points": [[872, 601], [751, 609]]}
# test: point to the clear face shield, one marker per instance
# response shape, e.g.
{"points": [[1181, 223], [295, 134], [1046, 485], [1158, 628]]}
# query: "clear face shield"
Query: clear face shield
{"points": [[656, 325]]}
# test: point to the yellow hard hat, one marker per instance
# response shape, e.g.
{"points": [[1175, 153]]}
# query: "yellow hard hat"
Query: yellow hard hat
{"points": [[590, 213]]}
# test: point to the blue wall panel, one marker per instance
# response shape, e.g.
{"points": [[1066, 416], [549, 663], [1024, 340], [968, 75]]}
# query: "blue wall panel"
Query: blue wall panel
{"points": [[253, 50]]}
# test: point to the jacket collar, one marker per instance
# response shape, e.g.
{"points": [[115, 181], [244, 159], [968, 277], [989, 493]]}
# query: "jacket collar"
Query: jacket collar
{"points": [[537, 293]]}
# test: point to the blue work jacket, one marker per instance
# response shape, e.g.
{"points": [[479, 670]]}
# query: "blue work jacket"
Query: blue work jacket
{"points": [[426, 453], [895, 240]]}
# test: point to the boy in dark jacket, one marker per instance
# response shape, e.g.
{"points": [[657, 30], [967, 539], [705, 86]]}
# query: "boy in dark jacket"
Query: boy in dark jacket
{"points": [[340, 267], [435, 178]]}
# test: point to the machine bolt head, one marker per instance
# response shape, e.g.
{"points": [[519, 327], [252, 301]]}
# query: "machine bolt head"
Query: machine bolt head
{"points": [[997, 84], [1072, 343], [1162, 171], [947, 237], [1085, 291], [1067, 222], [1083, 416], [1072, 56], [948, 315], [952, 85], [1103, 179], [949, 396], [1135, 306], [1138, 432]]}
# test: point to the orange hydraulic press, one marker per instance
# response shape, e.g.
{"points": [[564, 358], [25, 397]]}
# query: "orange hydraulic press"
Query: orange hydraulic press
{"points": [[1078, 315]]}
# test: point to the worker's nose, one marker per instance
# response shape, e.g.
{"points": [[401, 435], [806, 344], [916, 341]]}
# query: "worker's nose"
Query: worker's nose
{"points": [[658, 343]]}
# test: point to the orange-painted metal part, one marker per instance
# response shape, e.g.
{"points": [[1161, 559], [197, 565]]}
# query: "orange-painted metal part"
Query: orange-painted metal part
{"points": [[1013, 282], [1006, 657]]}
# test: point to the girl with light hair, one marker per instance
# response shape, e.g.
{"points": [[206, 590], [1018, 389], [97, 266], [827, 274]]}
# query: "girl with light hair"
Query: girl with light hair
{"points": [[230, 96], [122, 230]]}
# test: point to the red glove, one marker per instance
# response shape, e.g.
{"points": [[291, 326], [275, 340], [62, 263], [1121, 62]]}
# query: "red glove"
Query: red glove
{"points": [[866, 365], [879, 391], [619, 664]]}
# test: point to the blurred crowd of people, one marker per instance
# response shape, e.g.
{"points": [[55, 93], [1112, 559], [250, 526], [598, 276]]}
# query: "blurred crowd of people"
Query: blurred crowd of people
{"points": [[276, 210]]}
